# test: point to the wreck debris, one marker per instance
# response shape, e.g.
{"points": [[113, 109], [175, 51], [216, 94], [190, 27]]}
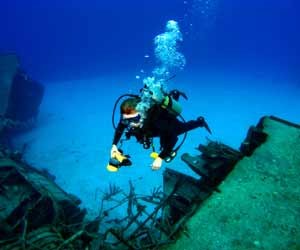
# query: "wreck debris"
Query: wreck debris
{"points": [[9, 64], [20, 96], [37, 214], [215, 162], [155, 220], [140, 228], [255, 137]]}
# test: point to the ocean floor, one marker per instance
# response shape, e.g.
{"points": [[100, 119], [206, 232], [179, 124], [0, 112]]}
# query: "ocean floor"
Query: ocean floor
{"points": [[73, 136]]}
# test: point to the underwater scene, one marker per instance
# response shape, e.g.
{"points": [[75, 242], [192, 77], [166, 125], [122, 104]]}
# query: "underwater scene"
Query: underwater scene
{"points": [[106, 105]]}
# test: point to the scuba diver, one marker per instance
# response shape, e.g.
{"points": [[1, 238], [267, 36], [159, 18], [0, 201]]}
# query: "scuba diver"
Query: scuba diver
{"points": [[160, 121]]}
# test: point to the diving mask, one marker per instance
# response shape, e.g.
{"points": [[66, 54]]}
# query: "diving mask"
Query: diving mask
{"points": [[132, 120]]}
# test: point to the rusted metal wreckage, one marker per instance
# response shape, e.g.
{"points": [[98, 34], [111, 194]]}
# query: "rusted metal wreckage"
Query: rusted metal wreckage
{"points": [[34, 212]]}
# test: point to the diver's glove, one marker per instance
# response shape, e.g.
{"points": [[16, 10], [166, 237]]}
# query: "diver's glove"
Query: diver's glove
{"points": [[114, 150], [156, 165]]}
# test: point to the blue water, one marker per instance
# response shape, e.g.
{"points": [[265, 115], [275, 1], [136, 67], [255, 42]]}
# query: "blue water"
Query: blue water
{"points": [[242, 62], [77, 39]]}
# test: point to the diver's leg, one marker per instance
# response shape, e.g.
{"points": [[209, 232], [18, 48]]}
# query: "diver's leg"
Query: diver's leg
{"points": [[182, 127], [167, 143]]}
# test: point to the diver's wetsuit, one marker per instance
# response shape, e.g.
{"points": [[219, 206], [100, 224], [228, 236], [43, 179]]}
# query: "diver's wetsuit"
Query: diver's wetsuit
{"points": [[160, 123]]}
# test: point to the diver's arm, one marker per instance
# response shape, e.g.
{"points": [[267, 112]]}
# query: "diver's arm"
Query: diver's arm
{"points": [[118, 133], [117, 136]]}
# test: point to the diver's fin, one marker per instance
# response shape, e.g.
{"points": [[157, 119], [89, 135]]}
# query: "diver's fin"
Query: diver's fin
{"points": [[204, 124], [175, 93], [207, 127]]}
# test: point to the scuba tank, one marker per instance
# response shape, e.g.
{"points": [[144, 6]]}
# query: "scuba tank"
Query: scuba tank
{"points": [[168, 101], [154, 94], [171, 105]]}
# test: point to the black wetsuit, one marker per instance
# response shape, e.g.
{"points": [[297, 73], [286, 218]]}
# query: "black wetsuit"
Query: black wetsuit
{"points": [[160, 123]]}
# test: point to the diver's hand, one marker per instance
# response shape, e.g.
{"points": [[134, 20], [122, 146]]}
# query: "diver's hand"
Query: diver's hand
{"points": [[114, 150], [156, 165]]}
